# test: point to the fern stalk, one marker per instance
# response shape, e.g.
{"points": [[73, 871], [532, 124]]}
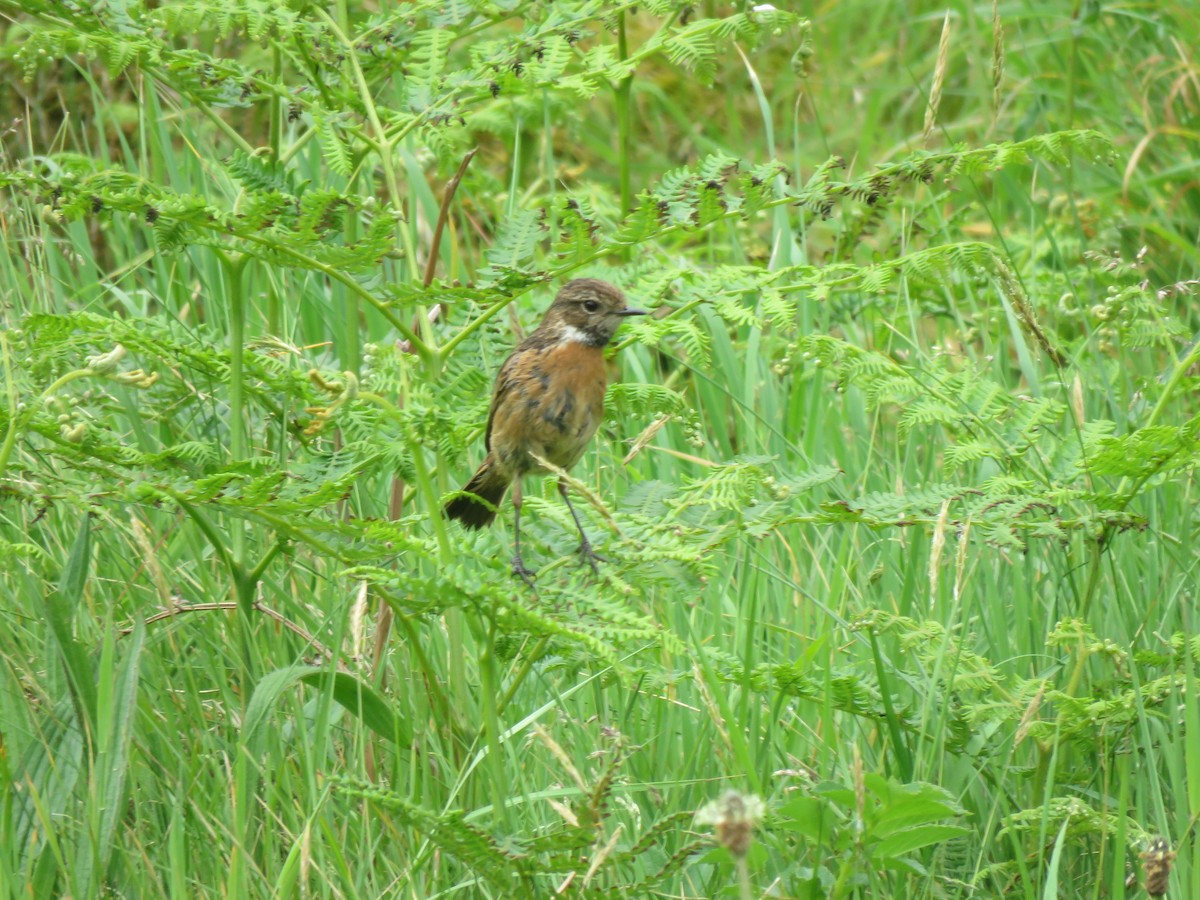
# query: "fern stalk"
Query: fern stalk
{"points": [[234, 267], [206, 110], [351, 314], [244, 585], [1181, 371], [383, 144], [274, 106], [1123, 490]]}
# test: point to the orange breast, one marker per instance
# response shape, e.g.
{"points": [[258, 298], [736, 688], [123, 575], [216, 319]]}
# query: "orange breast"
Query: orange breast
{"points": [[549, 402]]}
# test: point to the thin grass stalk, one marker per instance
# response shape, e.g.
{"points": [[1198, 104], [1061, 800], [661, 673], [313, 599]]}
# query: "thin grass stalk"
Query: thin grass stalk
{"points": [[489, 702], [624, 100]]}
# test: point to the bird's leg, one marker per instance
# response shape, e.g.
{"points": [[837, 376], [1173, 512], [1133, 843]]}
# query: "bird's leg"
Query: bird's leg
{"points": [[518, 567], [586, 554]]}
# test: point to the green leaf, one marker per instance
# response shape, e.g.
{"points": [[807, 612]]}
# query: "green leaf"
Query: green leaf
{"points": [[839, 794], [115, 721], [517, 240], [337, 155], [913, 838], [355, 695], [810, 818], [60, 612], [51, 764], [903, 806], [1050, 886]]}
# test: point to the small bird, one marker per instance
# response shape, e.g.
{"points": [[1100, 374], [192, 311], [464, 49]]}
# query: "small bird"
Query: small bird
{"points": [[548, 401]]}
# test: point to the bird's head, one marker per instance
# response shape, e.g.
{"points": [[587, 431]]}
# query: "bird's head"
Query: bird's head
{"points": [[587, 310]]}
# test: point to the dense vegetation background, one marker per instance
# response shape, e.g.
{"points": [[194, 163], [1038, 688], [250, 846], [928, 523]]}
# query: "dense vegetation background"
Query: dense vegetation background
{"points": [[895, 487]]}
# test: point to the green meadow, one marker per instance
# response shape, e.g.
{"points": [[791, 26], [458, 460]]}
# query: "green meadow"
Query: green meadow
{"points": [[894, 492]]}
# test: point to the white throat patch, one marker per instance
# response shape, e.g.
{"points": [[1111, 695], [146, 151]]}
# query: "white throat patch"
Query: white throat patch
{"points": [[572, 334]]}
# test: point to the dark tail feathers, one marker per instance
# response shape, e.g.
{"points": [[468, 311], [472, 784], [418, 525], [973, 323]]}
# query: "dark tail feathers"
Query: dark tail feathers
{"points": [[486, 484]]}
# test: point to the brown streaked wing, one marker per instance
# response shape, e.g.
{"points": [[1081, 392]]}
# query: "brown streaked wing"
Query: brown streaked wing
{"points": [[504, 380]]}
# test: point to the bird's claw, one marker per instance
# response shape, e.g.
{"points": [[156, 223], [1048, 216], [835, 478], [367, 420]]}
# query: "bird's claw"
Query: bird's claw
{"points": [[520, 570]]}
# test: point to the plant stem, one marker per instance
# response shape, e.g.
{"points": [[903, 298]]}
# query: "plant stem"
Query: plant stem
{"points": [[351, 314], [244, 584], [491, 724], [384, 145], [234, 268], [624, 100], [10, 436], [528, 661], [745, 889], [438, 697], [275, 106]]}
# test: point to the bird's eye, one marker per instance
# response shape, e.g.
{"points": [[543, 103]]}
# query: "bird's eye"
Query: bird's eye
{"points": [[591, 305]]}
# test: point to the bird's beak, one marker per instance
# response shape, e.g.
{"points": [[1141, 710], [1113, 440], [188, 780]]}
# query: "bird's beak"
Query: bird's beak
{"points": [[632, 312]]}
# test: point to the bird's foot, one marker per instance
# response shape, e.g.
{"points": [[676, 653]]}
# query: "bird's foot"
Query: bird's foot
{"points": [[520, 570], [589, 557]]}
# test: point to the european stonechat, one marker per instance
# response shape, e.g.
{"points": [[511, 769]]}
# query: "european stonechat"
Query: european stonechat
{"points": [[548, 402]]}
